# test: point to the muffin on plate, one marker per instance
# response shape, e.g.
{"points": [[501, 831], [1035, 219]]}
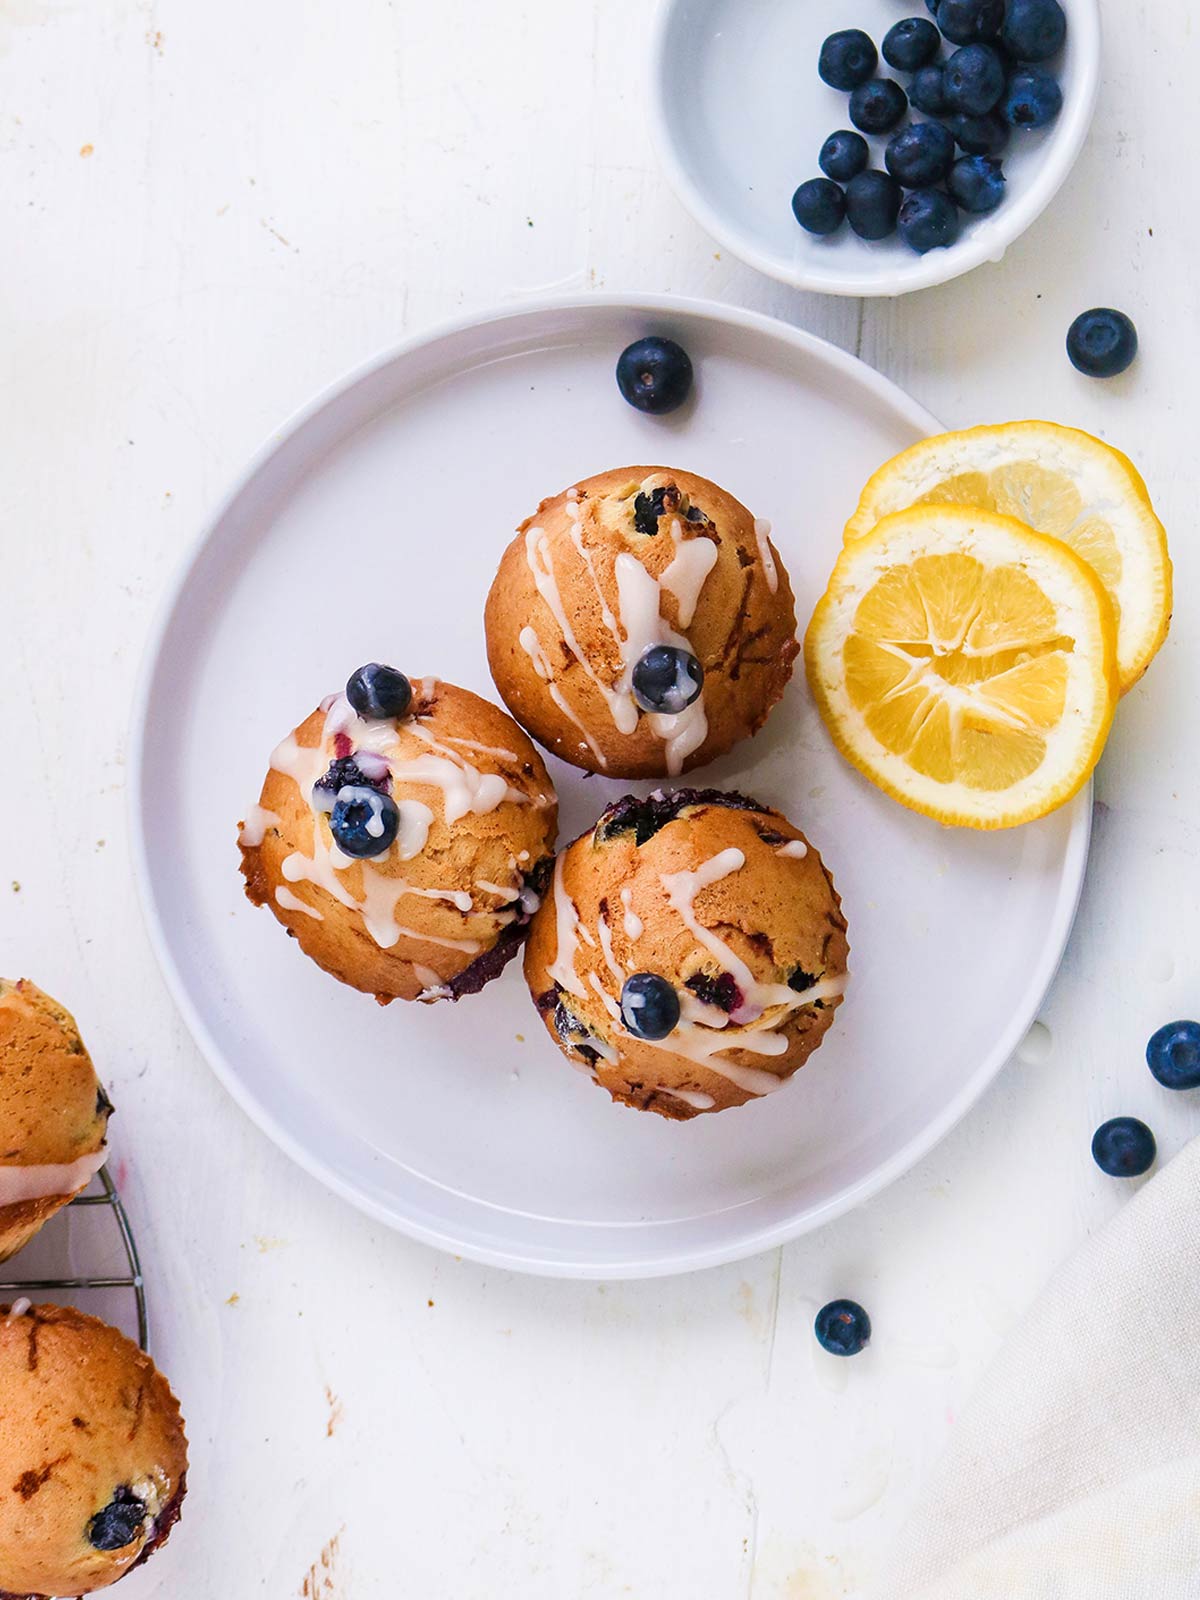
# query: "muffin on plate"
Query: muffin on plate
{"points": [[690, 953], [53, 1112], [641, 623], [403, 836], [93, 1458]]}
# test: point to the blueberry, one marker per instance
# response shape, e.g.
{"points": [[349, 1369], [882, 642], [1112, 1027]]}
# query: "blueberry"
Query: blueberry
{"points": [[1032, 99], [920, 155], [1173, 1055], [363, 821], [655, 375], [844, 155], [1034, 30], [872, 204], [342, 772], [877, 107], [721, 992], [927, 91], [981, 136], [649, 1006], [819, 206], [974, 79], [967, 21], [847, 59], [1102, 343], [977, 183], [910, 44], [379, 692], [648, 508], [667, 679], [843, 1328], [1124, 1147], [119, 1523], [928, 220]]}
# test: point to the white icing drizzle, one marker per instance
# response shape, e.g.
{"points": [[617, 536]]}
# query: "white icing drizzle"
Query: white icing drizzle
{"points": [[19, 1184], [500, 753], [640, 600], [696, 1098], [464, 788], [606, 945], [532, 646], [292, 902], [795, 848], [686, 576], [762, 532], [610, 1005], [254, 829], [634, 926], [19, 1308], [562, 968], [585, 555]]}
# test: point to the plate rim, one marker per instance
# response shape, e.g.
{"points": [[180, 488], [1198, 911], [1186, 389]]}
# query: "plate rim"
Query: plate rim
{"points": [[1071, 876]]}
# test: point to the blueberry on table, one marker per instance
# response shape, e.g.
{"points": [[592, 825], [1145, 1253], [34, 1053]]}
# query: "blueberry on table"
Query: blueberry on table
{"points": [[910, 44], [974, 79], [967, 21], [1102, 342], [920, 155], [1032, 99], [378, 692], [877, 107], [655, 375], [981, 136], [667, 679], [819, 205], [977, 184], [847, 58], [1173, 1055], [363, 822], [873, 204], [844, 155], [649, 1006], [1034, 30], [1124, 1147], [928, 220], [927, 91], [843, 1328]]}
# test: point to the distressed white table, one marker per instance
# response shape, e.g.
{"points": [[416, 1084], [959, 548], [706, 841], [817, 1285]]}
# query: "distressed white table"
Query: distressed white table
{"points": [[212, 210]]}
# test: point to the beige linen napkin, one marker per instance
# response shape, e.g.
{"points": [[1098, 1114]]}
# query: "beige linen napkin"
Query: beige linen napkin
{"points": [[1074, 1473]]}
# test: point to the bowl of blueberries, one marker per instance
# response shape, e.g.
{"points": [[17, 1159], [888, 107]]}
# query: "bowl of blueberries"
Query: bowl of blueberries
{"points": [[871, 147]]}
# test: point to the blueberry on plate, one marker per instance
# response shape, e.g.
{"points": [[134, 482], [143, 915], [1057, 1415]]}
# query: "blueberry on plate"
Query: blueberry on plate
{"points": [[844, 155], [847, 58], [1102, 342], [649, 1005], [911, 43], [1034, 30], [927, 91], [928, 220], [667, 679], [363, 822], [819, 206], [872, 204], [1124, 1147], [967, 21], [920, 155], [981, 136], [1173, 1055], [843, 1328], [977, 184], [1032, 99], [877, 107], [654, 375], [378, 692], [974, 79]]}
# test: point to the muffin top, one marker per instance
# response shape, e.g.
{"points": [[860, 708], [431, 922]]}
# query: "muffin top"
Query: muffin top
{"points": [[641, 623], [93, 1458]]}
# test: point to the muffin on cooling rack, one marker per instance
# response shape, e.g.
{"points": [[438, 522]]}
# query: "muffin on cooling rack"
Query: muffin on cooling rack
{"points": [[690, 953], [53, 1112], [403, 836], [93, 1458], [641, 623]]}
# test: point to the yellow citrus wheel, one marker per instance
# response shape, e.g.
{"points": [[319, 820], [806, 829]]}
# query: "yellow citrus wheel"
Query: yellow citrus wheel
{"points": [[965, 664], [1061, 482]]}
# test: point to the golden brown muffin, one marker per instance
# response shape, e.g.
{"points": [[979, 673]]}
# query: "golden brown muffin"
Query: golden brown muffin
{"points": [[626, 563], [93, 1458], [731, 909], [448, 904], [53, 1112]]}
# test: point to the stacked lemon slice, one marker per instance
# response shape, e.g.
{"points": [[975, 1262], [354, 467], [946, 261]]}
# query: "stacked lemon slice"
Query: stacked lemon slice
{"points": [[997, 591]]}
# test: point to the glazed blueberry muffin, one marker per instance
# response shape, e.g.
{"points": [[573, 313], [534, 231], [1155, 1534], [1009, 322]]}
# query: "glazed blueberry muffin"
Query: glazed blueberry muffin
{"points": [[641, 623], [53, 1112], [93, 1458], [690, 953], [403, 837]]}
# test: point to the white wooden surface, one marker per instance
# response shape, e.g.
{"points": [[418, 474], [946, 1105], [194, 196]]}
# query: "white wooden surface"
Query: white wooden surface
{"points": [[210, 211]]}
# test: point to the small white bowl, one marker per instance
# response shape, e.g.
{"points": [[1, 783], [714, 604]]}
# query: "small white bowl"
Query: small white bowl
{"points": [[739, 115]]}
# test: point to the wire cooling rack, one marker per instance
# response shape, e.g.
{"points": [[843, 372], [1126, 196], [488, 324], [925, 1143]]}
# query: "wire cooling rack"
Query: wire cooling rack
{"points": [[102, 1282]]}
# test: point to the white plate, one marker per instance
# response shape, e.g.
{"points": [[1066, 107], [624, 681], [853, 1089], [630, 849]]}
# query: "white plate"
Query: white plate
{"points": [[739, 116], [370, 529]]}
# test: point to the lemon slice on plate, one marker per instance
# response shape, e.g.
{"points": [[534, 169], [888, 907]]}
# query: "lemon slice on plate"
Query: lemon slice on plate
{"points": [[965, 664], [1061, 482]]}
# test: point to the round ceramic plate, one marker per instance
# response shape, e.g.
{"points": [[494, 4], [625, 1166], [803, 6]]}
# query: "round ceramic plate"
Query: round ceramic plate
{"points": [[370, 529]]}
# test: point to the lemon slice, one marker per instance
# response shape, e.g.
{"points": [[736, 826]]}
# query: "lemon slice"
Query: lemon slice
{"points": [[965, 664], [1061, 482]]}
